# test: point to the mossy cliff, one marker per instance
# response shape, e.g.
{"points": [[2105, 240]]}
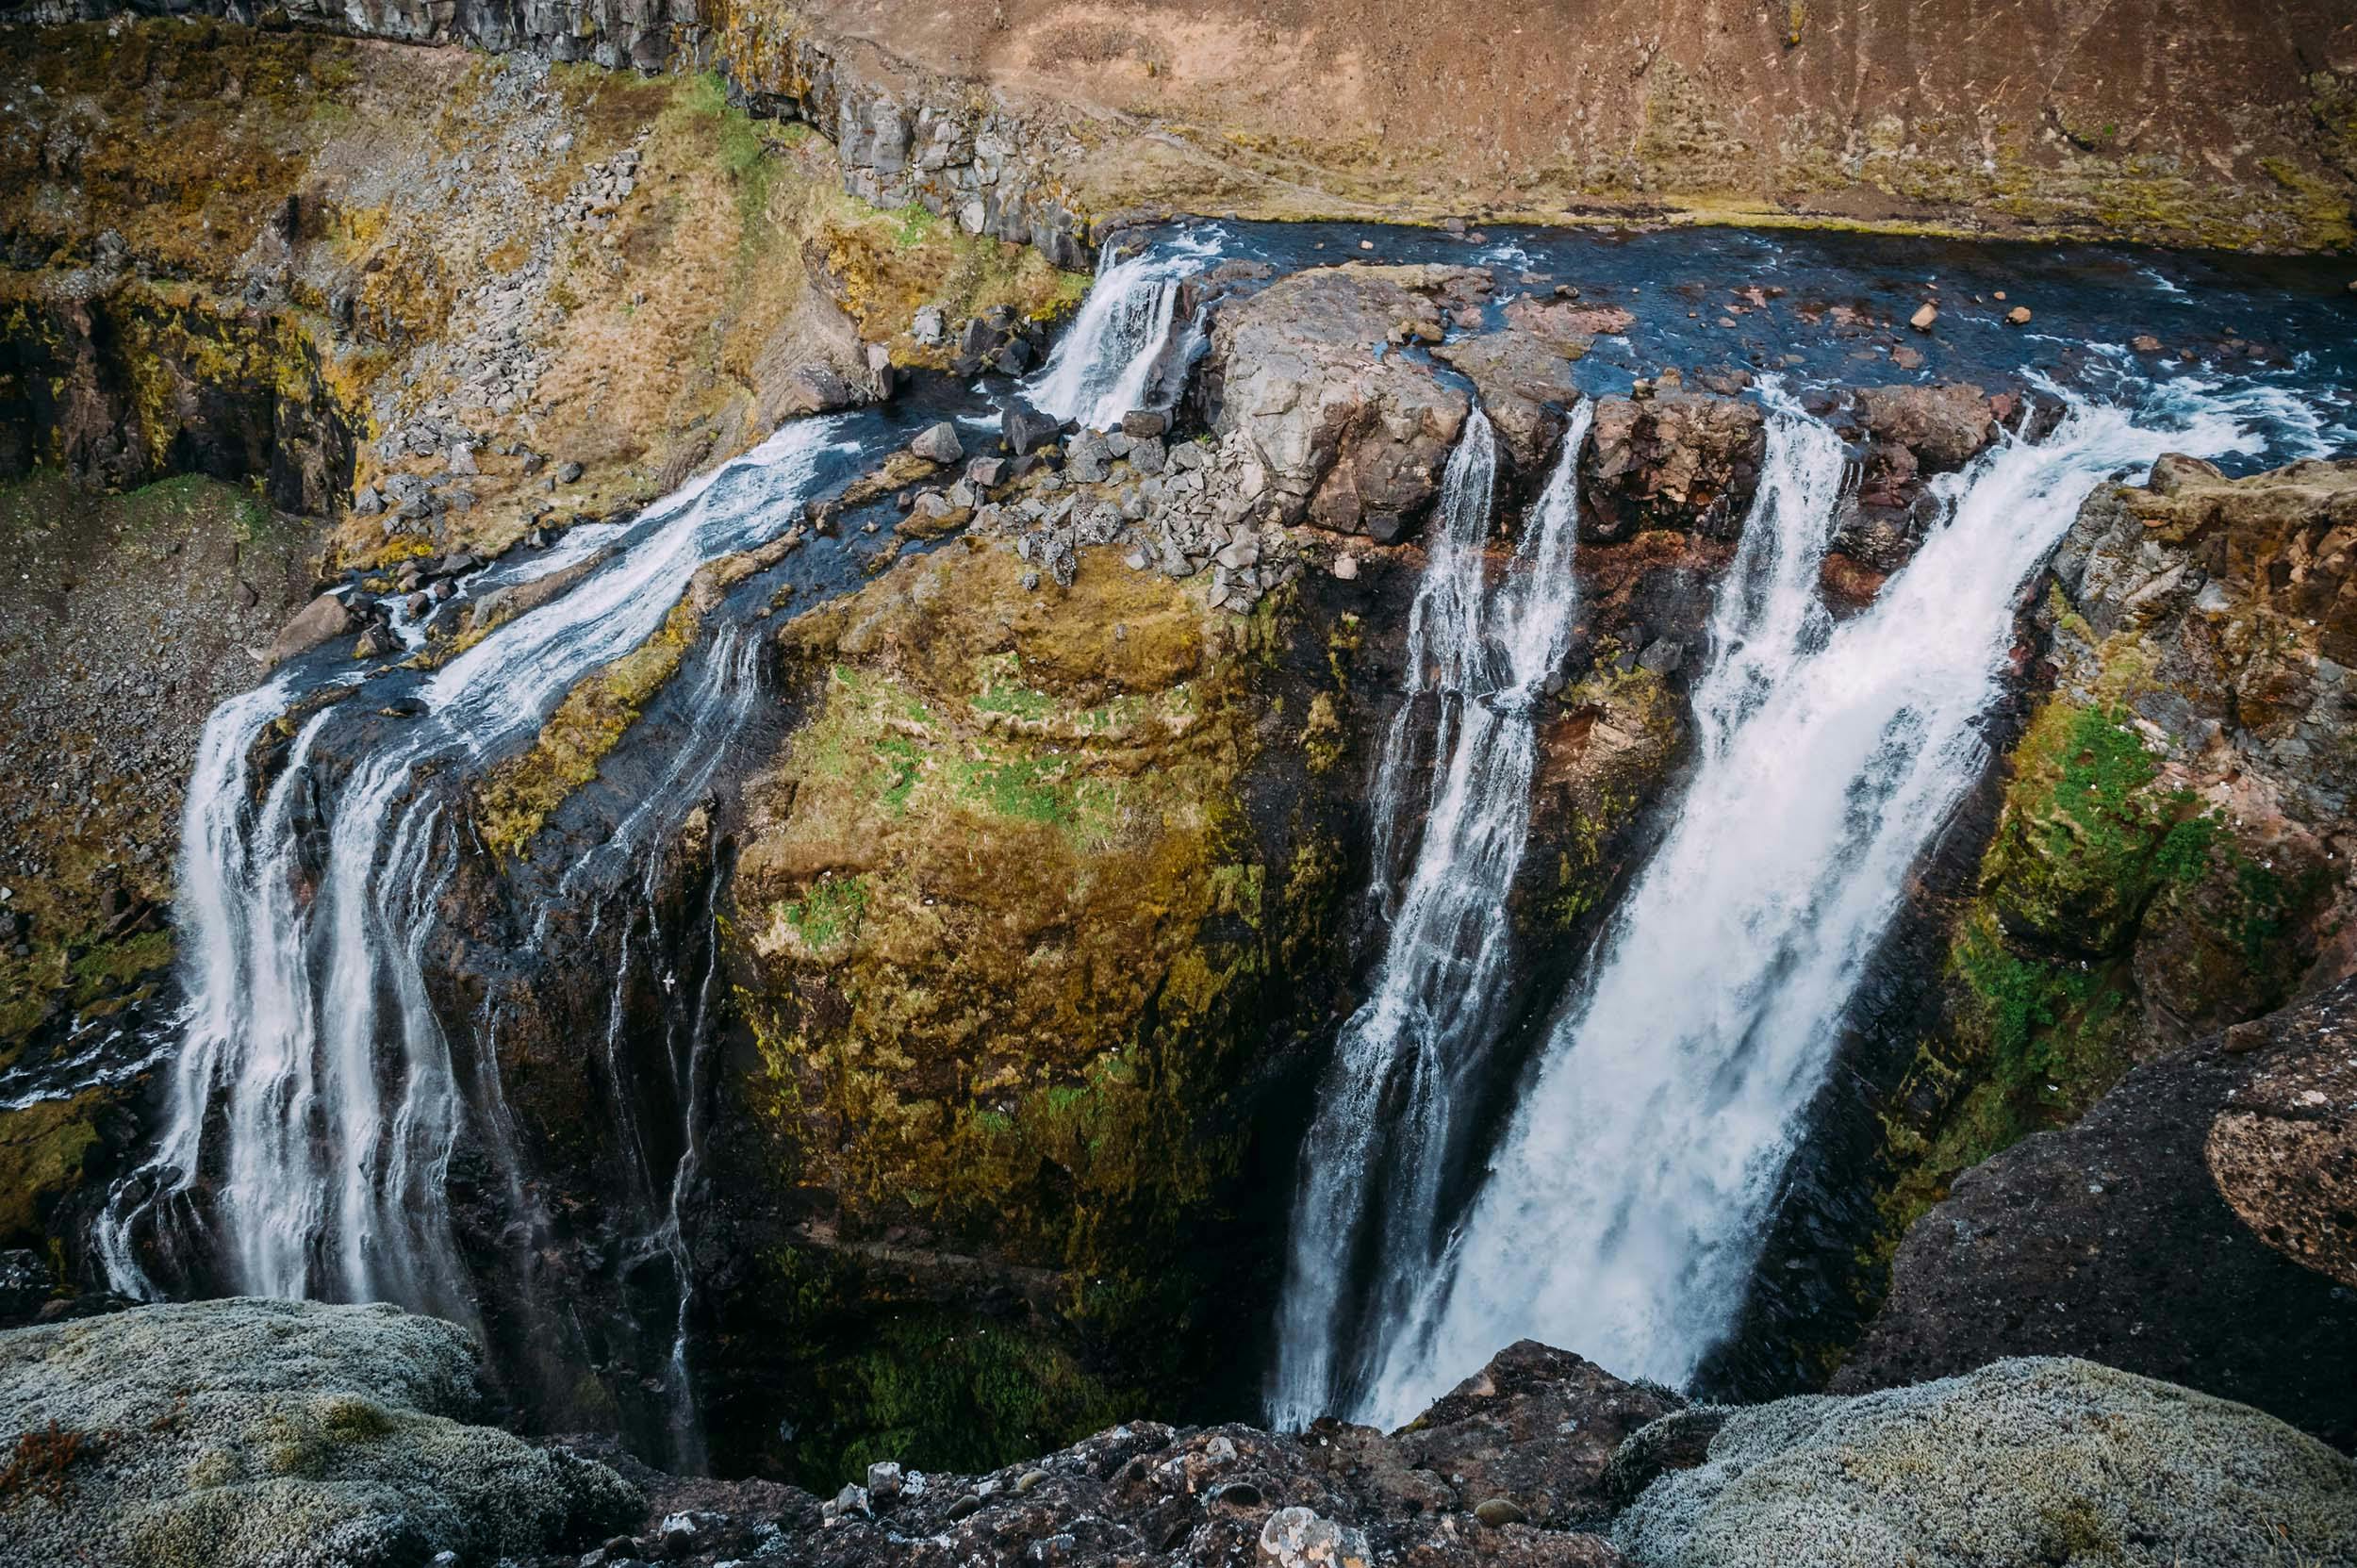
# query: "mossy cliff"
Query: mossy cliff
{"points": [[2169, 858], [1027, 919]]}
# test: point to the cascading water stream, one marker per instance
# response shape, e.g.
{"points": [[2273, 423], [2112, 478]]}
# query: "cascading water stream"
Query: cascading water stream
{"points": [[1622, 1213], [314, 1104], [1391, 1108], [1102, 366]]}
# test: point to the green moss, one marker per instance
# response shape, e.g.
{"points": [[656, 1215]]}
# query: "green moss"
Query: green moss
{"points": [[42, 1150]]}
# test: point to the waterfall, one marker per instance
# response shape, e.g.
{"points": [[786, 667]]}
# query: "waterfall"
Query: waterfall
{"points": [[314, 1105], [1622, 1213], [1388, 1112], [1102, 366]]}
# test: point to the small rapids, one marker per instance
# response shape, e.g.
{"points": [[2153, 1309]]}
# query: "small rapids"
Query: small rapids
{"points": [[1125, 339]]}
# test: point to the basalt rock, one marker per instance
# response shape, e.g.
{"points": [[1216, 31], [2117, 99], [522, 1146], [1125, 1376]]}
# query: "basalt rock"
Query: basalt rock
{"points": [[1912, 433], [1525, 386], [1353, 436], [2194, 1225], [1685, 462]]}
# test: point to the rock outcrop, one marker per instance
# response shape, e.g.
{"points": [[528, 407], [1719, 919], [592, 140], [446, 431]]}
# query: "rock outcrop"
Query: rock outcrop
{"points": [[2027, 1461], [2168, 859], [1684, 461], [244, 1432], [1352, 433], [2193, 1225]]}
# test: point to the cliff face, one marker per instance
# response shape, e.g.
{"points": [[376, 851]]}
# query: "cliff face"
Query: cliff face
{"points": [[1038, 118]]}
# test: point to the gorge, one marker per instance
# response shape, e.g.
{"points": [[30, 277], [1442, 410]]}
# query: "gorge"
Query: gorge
{"points": [[745, 747]]}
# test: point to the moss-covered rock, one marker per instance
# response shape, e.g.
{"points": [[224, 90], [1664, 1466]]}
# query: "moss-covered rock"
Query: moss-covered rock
{"points": [[1018, 918]]}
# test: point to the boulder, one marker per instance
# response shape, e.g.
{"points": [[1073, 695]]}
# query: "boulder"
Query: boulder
{"points": [[295, 1434], [1352, 435], [2078, 1242], [1941, 427], [1024, 429], [1683, 461], [323, 619], [939, 444], [1525, 385], [2042, 1460]]}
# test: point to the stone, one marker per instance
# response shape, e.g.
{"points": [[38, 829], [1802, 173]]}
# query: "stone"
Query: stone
{"points": [[930, 328], [568, 472], [986, 474], [368, 503], [2044, 1459], [323, 619], [1141, 423], [1686, 461], [372, 643], [1525, 383], [1300, 1537], [1349, 438], [1085, 458], [884, 1481], [1148, 456], [2204, 1154], [2144, 342], [1498, 1513], [1925, 315], [1345, 568], [247, 1432], [1024, 429], [2018, 315], [939, 444]]}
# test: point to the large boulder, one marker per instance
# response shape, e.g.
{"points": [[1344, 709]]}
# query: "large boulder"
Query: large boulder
{"points": [[1352, 432], [2194, 1225], [273, 1432], [323, 619], [2044, 1460], [1678, 461], [1525, 386]]}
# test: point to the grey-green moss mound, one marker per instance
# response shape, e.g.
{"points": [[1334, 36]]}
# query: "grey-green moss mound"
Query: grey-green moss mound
{"points": [[2044, 1460], [272, 1434]]}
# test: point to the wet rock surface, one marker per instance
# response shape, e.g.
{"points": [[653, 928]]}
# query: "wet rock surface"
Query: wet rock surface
{"points": [[2193, 1227]]}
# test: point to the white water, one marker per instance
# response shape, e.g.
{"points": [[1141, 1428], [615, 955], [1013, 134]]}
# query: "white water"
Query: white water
{"points": [[1098, 368], [1623, 1211], [1390, 1106], [314, 1104]]}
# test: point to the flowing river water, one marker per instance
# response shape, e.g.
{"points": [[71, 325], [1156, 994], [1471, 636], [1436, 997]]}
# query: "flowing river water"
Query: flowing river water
{"points": [[318, 1095]]}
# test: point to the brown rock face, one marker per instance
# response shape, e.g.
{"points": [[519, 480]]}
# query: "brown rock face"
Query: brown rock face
{"points": [[2285, 1157], [2193, 1227], [1353, 436], [1679, 460]]}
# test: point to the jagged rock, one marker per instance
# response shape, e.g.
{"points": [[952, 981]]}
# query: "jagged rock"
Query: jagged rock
{"points": [[321, 621], [1145, 422], [939, 444], [568, 472], [1925, 315], [2027, 1461], [283, 1433], [1085, 458], [1350, 439], [1024, 429], [2077, 1242], [1943, 427], [1685, 461]]}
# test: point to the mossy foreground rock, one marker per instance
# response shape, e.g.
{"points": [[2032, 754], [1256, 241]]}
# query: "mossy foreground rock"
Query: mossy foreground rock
{"points": [[237, 1432], [2026, 1462]]}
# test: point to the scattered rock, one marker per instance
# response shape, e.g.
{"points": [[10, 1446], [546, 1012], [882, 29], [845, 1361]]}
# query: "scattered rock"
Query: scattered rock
{"points": [[1924, 316], [568, 472], [2018, 315], [1024, 429]]}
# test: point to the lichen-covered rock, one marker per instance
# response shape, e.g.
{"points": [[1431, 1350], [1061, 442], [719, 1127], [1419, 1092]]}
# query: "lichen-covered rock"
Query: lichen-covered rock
{"points": [[1353, 436], [288, 1434], [2027, 1461], [2078, 1242]]}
